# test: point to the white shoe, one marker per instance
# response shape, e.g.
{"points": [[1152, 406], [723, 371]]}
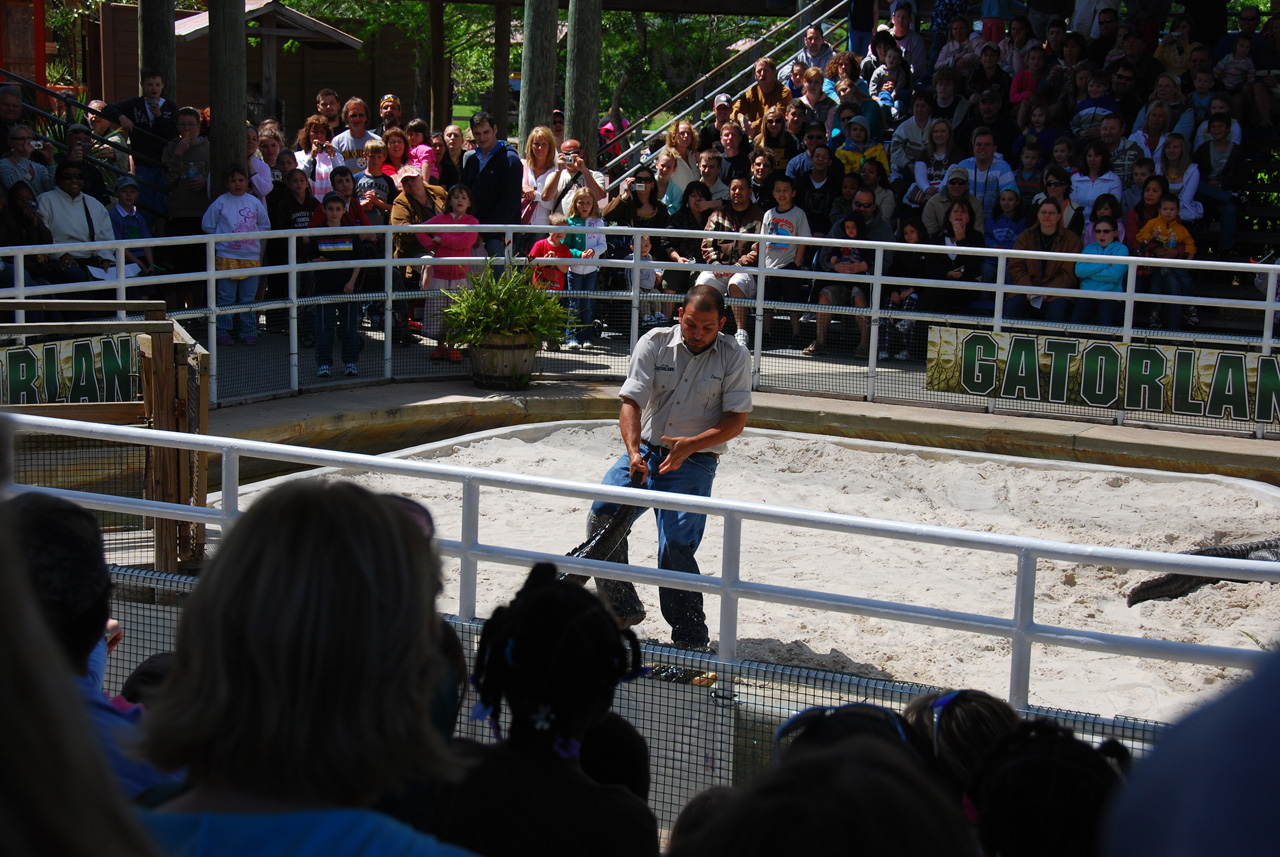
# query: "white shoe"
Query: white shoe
{"points": [[902, 355], [883, 355], [648, 319], [741, 336], [659, 318]]}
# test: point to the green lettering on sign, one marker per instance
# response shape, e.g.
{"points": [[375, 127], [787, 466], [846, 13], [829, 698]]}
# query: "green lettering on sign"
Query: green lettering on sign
{"points": [[84, 379], [1100, 375], [1268, 397], [1228, 390], [1184, 379], [21, 377], [1144, 380], [1060, 352], [978, 364], [1022, 370], [117, 367], [52, 376]]}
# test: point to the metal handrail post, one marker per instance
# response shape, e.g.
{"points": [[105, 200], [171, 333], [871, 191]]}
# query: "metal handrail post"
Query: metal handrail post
{"points": [[211, 327], [294, 357], [873, 325], [388, 311], [470, 540], [730, 562], [1024, 605], [230, 487]]}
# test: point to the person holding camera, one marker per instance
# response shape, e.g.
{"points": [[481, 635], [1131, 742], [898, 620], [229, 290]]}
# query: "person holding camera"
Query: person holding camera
{"points": [[18, 165], [572, 173]]}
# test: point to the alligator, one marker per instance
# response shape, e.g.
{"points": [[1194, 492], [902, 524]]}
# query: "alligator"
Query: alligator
{"points": [[1178, 585]]}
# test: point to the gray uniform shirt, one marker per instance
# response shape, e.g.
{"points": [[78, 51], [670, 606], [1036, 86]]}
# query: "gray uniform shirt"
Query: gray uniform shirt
{"points": [[682, 394]]}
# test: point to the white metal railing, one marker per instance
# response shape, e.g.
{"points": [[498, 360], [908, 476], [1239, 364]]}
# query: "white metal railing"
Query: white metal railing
{"points": [[875, 281], [1022, 630]]}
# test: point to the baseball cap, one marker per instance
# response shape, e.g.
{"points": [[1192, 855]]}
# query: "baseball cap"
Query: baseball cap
{"points": [[83, 129], [126, 181], [409, 171], [333, 196], [723, 98], [990, 45], [389, 98]]}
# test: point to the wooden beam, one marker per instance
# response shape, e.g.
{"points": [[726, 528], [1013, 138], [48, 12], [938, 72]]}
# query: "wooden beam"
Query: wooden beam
{"points": [[165, 461], [108, 413]]}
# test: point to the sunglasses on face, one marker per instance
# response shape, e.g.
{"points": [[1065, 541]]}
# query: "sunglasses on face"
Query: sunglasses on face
{"points": [[864, 205], [957, 182], [1056, 184], [1103, 231]]}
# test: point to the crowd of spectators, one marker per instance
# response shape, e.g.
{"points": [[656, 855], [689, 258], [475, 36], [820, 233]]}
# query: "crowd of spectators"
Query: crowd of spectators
{"points": [[266, 731], [1022, 140]]}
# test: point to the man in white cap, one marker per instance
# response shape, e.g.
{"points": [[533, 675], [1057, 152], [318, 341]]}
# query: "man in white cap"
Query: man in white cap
{"points": [[709, 136]]}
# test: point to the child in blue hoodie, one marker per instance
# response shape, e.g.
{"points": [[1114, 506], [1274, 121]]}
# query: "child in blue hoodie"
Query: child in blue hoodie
{"points": [[1101, 276]]}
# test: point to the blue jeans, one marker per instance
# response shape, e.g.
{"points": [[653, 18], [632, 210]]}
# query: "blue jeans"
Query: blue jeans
{"points": [[679, 534], [1019, 306], [1101, 312], [583, 309], [1215, 198], [348, 315], [1170, 281], [238, 292]]}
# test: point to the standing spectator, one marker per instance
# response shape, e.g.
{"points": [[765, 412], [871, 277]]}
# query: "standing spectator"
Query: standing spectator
{"points": [[1045, 235], [762, 95], [332, 245], [539, 166], [1006, 224], [10, 109], [914, 53], [783, 219], [237, 211], [316, 154], [375, 190], [450, 162], [446, 278], [668, 191], [259, 172], [709, 173], [389, 113], [493, 172], [351, 142], [397, 154], [910, 143], [152, 117], [553, 247], [186, 173], [583, 278], [328, 106], [571, 173]]}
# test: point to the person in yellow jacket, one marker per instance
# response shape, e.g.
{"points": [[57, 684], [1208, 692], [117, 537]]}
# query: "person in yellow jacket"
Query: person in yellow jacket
{"points": [[1164, 237], [858, 147]]}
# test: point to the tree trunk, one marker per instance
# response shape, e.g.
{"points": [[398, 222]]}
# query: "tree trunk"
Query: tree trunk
{"points": [[538, 65], [227, 82], [502, 68], [582, 80], [422, 77], [156, 44], [441, 79]]}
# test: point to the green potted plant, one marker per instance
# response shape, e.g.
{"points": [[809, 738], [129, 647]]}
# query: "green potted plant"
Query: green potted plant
{"points": [[503, 319]]}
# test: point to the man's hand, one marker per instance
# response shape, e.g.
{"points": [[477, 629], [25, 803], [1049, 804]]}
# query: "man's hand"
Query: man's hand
{"points": [[681, 448], [639, 469]]}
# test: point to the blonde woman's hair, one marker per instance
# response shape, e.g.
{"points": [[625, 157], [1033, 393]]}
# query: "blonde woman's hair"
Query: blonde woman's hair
{"points": [[542, 132], [305, 656]]}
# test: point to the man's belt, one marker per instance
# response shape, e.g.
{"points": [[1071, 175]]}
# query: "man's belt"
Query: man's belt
{"points": [[715, 456]]}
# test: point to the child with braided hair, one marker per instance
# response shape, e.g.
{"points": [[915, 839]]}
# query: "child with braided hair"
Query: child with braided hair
{"points": [[554, 655]]}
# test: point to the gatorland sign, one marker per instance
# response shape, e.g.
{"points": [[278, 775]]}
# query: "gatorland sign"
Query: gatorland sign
{"points": [[1194, 382], [93, 369]]}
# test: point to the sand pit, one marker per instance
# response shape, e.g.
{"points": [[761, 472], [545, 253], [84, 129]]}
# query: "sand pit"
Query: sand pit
{"points": [[1088, 505]]}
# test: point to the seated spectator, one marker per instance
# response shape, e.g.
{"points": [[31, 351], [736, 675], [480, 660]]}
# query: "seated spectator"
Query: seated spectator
{"points": [[1143, 169], [263, 768], [75, 218], [849, 187], [51, 758], [930, 171], [682, 141], [1021, 788], [1124, 153], [814, 136], [962, 726], [1096, 179], [1045, 235], [17, 166], [958, 231], [1057, 187], [961, 50], [766, 93], [1006, 224], [1176, 46], [1230, 746], [916, 267], [735, 153], [1105, 205], [795, 79], [78, 143], [554, 657], [762, 178], [1030, 177], [842, 260], [1154, 188], [1168, 91], [947, 103], [989, 115], [1165, 237], [61, 546], [891, 86], [1063, 155], [1221, 167], [858, 147], [818, 188], [721, 115], [988, 73], [774, 137], [817, 101], [1014, 47], [1101, 276], [875, 178], [693, 214], [1038, 131], [128, 224], [938, 207], [988, 172], [910, 143], [1175, 164], [731, 249], [22, 226], [1026, 85], [1089, 113], [1218, 103], [867, 790]]}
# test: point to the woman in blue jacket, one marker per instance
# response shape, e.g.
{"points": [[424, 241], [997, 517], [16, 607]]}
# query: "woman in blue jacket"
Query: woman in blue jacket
{"points": [[1101, 276]]}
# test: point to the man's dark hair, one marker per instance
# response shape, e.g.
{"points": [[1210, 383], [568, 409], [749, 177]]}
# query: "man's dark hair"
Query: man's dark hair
{"points": [[61, 546], [326, 91], [784, 179], [704, 298], [826, 146], [483, 118], [146, 73]]}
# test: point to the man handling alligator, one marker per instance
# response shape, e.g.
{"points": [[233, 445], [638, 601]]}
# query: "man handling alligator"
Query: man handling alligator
{"points": [[687, 394]]}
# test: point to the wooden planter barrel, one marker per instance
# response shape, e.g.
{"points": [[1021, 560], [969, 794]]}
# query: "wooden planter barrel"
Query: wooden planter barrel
{"points": [[503, 362]]}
